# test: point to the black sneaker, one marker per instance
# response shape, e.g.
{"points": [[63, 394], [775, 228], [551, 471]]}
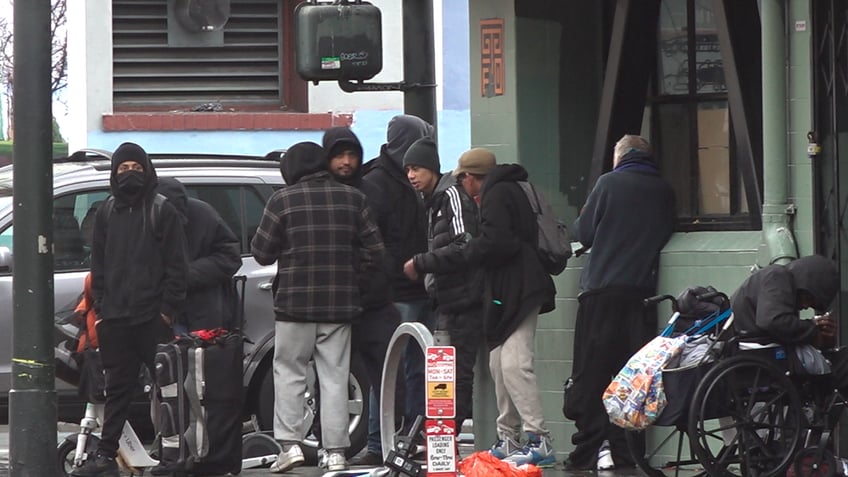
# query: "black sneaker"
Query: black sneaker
{"points": [[100, 466], [369, 459], [573, 466]]}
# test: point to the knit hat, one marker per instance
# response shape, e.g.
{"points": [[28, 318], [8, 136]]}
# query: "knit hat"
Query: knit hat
{"points": [[478, 160], [423, 153]]}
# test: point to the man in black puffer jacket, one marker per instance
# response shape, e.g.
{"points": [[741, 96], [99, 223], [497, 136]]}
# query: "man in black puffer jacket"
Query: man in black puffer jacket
{"points": [[138, 282], [214, 257], [517, 290], [451, 282]]}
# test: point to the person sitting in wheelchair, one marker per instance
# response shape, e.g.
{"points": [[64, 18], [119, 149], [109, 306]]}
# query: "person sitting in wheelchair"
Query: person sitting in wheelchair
{"points": [[768, 302]]}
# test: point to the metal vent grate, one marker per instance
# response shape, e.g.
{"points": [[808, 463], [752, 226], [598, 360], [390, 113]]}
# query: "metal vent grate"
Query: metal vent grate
{"points": [[245, 71]]}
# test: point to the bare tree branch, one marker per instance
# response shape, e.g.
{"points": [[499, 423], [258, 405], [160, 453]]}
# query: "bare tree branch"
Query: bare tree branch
{"points": [[59, 52]]}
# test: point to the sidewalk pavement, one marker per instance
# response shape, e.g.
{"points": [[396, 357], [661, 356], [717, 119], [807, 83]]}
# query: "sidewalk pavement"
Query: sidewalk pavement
{"points": [[305, 471]]}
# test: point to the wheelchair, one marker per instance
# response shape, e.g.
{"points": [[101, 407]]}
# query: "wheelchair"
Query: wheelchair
{"points": [[741, 408]]}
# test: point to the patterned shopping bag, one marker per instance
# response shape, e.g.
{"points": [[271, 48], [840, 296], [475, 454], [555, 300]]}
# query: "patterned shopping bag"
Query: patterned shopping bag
{"points": [[635, 397]]}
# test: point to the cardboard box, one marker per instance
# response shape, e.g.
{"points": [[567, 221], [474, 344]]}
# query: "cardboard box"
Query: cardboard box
{"points": [[714, 171], [713, 127]]}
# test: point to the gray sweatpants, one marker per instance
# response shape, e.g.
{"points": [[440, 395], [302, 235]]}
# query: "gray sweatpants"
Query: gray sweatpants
{"points": [[516, 390], [329, 345]]}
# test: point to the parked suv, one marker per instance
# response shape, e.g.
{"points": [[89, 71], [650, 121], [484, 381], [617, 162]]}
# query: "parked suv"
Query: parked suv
{"points": [[238, 187]]}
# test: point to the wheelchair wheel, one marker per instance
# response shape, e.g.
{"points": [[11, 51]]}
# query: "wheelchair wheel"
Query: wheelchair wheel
{"points": [[667, 440], [745, 419]]}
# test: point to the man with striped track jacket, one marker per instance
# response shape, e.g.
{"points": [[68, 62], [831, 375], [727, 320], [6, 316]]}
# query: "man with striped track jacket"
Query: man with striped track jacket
{"points": [[452, 220]]}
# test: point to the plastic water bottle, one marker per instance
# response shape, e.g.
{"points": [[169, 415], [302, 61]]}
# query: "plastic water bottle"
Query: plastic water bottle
{"points": [[605, 461]]}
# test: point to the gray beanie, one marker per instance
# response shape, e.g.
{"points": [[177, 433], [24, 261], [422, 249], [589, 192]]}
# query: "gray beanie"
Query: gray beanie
{"points": [[423, 153]]}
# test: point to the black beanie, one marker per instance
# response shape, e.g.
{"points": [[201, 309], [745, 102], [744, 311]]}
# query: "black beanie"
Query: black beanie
{"points": [[423, 153]]}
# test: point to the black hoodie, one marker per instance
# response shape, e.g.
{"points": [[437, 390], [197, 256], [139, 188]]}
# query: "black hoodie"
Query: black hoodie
{"points": [[516, 282], [214, 257], [138, 269], [398, 208], [338, 139], [766, 304]]}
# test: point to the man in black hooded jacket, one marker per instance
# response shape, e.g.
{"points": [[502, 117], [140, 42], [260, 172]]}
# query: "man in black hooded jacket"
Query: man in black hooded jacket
{"points": [[138, 282], [214, 257], [399, 212], [373, 329], [767, 304], [517, 290]]}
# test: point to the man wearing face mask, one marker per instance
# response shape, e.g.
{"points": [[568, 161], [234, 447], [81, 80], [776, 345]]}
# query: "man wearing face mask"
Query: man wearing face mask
{"points": [[139, 271]]}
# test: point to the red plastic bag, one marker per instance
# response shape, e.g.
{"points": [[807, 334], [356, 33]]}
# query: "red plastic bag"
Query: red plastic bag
{"points": [[483, 464]]}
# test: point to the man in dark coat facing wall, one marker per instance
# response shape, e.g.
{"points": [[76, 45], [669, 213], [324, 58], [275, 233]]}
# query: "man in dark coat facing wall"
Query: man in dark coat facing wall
{"points": [[627, 220]]}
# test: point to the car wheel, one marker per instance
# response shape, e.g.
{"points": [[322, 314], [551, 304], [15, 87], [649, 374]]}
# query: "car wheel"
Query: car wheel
{"points": [[358, 388]]}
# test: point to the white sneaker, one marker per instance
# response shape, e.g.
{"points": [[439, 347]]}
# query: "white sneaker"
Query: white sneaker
{"points": [[605, 461], [288, 460], [322, 458], [336, 461]]}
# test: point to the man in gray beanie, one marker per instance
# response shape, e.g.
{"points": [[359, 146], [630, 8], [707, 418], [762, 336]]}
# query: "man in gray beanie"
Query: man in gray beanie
{"points": [[399, 212], [452, 284]]}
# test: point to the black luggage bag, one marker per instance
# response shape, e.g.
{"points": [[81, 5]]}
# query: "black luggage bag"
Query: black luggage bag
{"points": [[198, 410]]}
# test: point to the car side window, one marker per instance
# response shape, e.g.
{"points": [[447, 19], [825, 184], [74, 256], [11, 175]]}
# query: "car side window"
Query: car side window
{"points": [[73, 223], [240, 206]]}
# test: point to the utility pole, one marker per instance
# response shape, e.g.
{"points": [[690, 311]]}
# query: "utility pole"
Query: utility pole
{"points": [[32, 400], [419, 60]]}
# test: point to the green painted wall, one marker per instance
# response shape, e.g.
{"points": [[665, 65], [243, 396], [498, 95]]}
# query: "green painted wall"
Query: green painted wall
{"points": [[550, 132]]}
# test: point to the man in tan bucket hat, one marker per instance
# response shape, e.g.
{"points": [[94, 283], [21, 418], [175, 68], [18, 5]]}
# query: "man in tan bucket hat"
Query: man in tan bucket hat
{"points": [[473, 166]]}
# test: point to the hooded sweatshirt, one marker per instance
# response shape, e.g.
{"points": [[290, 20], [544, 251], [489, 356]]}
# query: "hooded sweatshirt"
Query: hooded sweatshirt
{"points": [[398, 208], [338, 139], [138, 268], [321, 234], [214, 256], [766, 302], [515, 282]]}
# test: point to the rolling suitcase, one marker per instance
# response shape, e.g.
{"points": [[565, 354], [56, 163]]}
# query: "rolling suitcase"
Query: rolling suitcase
{"points": [[198, 410]]}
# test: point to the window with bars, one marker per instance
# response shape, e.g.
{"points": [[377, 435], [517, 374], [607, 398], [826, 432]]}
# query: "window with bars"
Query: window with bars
{"points": [[246, 71]]}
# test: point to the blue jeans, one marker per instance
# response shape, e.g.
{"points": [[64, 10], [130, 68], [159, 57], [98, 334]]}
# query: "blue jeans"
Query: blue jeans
{"points": [[420, 311]]}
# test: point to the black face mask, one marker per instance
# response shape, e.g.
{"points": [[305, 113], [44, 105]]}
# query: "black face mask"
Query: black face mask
{"points": [[130, 182]]}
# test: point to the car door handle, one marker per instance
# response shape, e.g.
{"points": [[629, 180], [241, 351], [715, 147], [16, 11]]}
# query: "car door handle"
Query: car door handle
{"points": [[265, 286]]}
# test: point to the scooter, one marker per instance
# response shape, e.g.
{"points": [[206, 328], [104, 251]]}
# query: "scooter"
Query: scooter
{"points": [[258, 449]]}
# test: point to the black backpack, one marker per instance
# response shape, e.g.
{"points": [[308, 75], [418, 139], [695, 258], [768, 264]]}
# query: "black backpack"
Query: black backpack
{"points": [[554, 245]]}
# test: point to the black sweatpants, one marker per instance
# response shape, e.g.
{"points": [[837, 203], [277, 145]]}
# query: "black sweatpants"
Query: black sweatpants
{"points": [[123, 349], [611, 326], [370, 338], [465, 330]]}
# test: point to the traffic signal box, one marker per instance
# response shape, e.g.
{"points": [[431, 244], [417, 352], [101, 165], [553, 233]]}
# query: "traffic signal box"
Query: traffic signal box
{"points": [[338, 41]]}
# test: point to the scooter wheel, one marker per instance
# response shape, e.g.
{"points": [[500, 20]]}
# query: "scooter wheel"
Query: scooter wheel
{"points": [[66, 450]]}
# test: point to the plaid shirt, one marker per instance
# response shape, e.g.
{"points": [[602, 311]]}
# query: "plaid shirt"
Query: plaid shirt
{"points": [[323, 238]]}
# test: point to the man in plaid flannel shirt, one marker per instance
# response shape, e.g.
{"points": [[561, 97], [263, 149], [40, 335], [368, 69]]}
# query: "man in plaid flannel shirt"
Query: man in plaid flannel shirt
{"points": [[325, 243]]}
